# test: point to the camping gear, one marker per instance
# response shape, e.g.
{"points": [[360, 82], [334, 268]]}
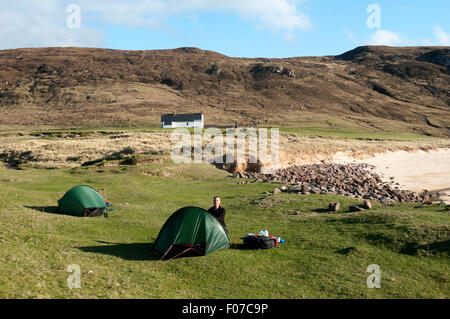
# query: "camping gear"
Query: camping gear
{"points": [[262, 241], [190, 231], [264, 232], [82, 201], [108, 209], [259, 242]]}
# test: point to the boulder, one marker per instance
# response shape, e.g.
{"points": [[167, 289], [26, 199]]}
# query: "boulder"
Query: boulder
{"points": [[367, 204], [356, 208], [334, 207], [305, 189]]}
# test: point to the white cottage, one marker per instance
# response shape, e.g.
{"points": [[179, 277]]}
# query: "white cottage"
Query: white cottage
{"points": [[182, 120]]}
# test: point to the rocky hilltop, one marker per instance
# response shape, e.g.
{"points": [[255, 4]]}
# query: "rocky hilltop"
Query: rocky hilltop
{"points": [[371, 87]]}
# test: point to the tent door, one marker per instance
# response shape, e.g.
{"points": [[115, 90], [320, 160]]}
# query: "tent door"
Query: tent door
{"points": [[93, 212], [185, 250]]}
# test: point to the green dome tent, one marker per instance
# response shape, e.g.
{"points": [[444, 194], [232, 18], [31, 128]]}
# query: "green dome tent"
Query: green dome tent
{"points": [[82, 201], [191, 231]]}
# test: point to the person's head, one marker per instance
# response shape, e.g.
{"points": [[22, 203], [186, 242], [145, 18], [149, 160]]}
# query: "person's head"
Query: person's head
{"points": [[216, 201]]}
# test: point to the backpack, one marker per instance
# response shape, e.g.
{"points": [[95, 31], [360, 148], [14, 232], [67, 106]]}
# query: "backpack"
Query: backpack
{"points": [[259, 242]]}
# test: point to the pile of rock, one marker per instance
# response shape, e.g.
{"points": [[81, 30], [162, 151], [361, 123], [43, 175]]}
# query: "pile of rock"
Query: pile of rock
{"points": [[214, 70], [353, 180], [259, 69]]}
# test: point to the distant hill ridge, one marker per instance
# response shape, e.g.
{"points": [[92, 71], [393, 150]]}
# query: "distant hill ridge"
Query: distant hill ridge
{"points": [[372, 87]]}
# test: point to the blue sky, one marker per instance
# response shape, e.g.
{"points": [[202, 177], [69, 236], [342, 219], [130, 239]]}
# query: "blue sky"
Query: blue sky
{"points": [[251, 28]]}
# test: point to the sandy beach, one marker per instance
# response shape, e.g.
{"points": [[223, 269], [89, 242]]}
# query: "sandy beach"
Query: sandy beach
{"points": [[414, 171]]}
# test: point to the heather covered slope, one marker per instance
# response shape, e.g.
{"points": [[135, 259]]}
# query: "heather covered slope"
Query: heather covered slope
{"points": [[370, 88]]}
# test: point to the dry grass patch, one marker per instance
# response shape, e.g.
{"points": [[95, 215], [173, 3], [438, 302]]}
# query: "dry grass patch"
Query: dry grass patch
{"points": [[44, 153], [298, 150], [72, 150]]}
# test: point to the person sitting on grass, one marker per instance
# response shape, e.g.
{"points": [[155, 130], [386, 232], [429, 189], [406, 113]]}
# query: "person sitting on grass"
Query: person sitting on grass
{"points": [[218, 212]]}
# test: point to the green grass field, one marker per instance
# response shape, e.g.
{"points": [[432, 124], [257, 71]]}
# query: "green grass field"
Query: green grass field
{"points": [[356, 134], [325, 255], [338, 129]]}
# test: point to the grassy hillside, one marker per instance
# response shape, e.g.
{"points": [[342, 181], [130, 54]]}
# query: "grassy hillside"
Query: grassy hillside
{"points": [[325, 255], [372, 88]]}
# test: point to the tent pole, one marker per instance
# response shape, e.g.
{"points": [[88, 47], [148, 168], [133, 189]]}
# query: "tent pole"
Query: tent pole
{"points": [[180, 253], [94, 212], [167, 251]]}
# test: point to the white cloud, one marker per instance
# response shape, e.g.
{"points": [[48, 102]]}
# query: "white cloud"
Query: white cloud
{"points": [[442, 36], [40, 24], [43, 23], [427, 42], [278, 14], [384, 37]]}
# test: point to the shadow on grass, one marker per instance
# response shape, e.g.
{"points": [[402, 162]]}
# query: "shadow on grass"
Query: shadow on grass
{"points": [[242, 246], [45, 209], [437, 247], [321, 210], [411, 243], [135, 251], [369, 219], [346, 251], [54, 210], [239, 246]]}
